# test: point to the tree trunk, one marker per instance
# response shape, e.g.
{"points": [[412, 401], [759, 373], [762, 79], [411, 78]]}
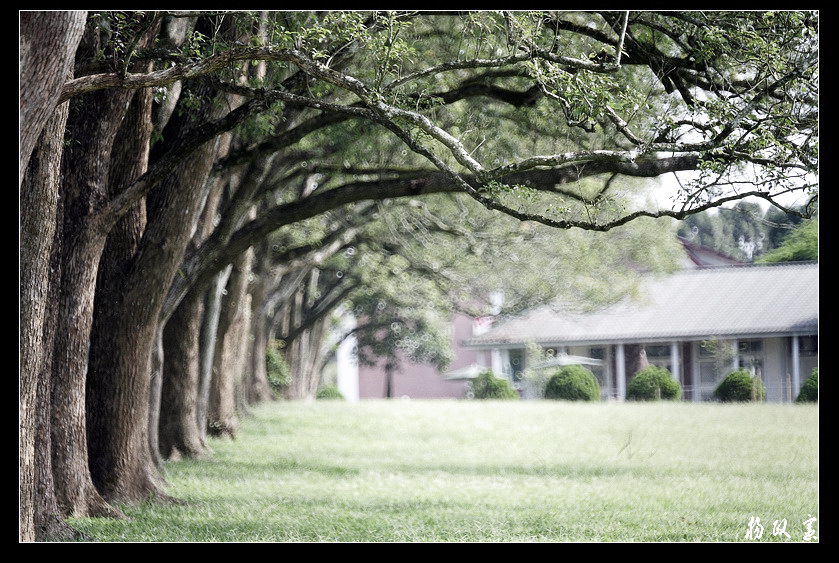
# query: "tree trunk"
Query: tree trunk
{"points": [[91, 129], [39, 213], [48, 43], [179, 434], [155, 396], [257, 388], [49, 526], [239, 359], [632, 353], [209, 333], [120, 384], [222, 419]]}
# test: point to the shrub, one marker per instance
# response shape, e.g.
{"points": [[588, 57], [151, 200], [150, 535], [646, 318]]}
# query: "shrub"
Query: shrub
{"points": [[741, 386], [573, 383], [487, 386], [810, 390], [654, 384], [329, 393], [277, 369]]}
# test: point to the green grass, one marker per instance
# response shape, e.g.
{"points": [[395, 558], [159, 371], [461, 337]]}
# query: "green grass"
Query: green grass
{"points": [[492, 471]]}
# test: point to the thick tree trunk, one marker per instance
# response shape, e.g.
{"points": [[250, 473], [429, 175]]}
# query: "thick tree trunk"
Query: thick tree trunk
{"points": [[93, 124], [39, 210], [129, 161], [257, 389], [49, 526], [222, 419], [120, 387], [74, 488], [48, 43], [179, 434]]}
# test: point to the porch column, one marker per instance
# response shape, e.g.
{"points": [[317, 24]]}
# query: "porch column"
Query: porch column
{"points": [[735, 363], [675, 362], [620, 375], [696, 375], [495, 362], [796, 367]]}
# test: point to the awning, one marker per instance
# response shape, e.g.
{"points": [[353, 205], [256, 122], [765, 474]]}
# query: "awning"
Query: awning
{"points": [[568, 360], [468, 372]]}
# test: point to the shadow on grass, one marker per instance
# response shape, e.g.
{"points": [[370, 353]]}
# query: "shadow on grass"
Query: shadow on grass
{"points": [[227, 470]]}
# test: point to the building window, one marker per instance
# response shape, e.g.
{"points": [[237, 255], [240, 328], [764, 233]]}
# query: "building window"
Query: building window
{"points": [[750, 356], [808, 345], [598, 353], [659, 355]]}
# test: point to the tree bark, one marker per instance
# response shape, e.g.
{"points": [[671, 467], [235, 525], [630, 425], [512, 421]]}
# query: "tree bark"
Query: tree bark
{"points": [[91, 129], [178, 431], [39, 214], [257, 388], [49, 526], [48, 43], [240, 358], [209, 334], [179, 434], [222, 419], [120, 389]]}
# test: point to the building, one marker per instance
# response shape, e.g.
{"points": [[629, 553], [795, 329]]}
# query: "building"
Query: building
{"points": [[698, 323], [689, 322]]}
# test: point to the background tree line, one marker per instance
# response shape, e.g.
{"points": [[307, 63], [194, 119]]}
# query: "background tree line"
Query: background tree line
{"points": [[196, 184]]}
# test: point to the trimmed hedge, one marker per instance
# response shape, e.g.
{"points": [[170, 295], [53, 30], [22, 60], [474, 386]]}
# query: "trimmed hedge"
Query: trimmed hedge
{"points": [[329, 393], [573, 383], [654, 383], [810, 390], [740, 386], [487, 386]]}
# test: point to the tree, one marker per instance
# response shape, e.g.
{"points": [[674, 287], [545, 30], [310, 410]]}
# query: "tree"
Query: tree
{"points": [[193, 137], [801, 244], [745, 231]]}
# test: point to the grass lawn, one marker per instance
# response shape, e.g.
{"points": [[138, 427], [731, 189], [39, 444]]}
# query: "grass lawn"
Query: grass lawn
{"points": [[492, 471]]}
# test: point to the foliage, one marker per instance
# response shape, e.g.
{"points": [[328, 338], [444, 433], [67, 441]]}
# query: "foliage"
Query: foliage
{"points": [[487, 386], [801, 244], [573, 383], [653, 384], [535, 379], [329, 393], [810, 389], [745, 232], [740, 386], [279, 376]]}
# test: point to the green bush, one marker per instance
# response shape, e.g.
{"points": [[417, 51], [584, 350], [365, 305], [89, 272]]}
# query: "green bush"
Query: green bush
{"points": [[653, 384], [810, 390], [573, 383], [740, 386], [329, 393], [279, 376], [487, 386]]}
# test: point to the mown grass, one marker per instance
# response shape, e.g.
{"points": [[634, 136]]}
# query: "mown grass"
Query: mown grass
{"points": [[492, 471]]}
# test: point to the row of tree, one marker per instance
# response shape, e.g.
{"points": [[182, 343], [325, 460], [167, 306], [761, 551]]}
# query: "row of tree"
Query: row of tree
{"points": [[194, 184]]}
